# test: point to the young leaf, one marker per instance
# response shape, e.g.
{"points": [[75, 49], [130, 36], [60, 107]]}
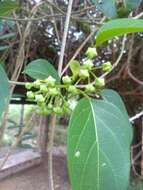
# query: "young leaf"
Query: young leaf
{"points": [[107, 7], [118, 27], [41, 69], [132, 4], [7, 6], [4, 90], [98, 147]]}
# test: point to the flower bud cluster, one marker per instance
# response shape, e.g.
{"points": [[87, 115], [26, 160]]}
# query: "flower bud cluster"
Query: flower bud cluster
{"points": [[53, 97]]}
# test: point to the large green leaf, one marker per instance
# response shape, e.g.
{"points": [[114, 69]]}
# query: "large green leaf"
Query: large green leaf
{"points": [[41, 69], [107, 7], [4, 90], [7, 6], [114, 98], [132, 4], [98, 147], [118, 27]]}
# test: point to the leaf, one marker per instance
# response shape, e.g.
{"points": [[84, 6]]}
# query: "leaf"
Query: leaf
{"points": [[7, 6], [4, 90], [7, 36], [4, 47], [41, 69], [107, 7], [131, 4], [118, 27], [114, 98], [75, 67], [98, 147]]}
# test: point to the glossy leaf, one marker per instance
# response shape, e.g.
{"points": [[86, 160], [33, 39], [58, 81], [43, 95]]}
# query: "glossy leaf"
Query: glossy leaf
{"points": [[98, 147], [7, 6], [118, 27], [4, 90], [107, 7], [41, 69], [132, 4]]}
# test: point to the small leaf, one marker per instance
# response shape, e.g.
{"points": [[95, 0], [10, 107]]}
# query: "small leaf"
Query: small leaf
{"points": [[4, 47], [7, 6], [75, 67], [4, 90], [132, 4], [7, 36], [107, 7], [41, 69], [118, 27], [98, 147]]}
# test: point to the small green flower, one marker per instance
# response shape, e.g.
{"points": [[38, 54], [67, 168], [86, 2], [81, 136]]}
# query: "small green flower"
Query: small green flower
{"points": [[39, 98], [37, 83], [91, 53], [50, 106], [58, 110], [28, 85], [30, 95], [72, 89], [53, 91], [100, 82], [66, 80], [43, 88], [83, 73], [50, 81], [88, 64], [90, 88], [106, 67]]}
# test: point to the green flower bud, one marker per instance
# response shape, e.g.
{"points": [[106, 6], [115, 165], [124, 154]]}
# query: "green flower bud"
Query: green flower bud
{"points": [[50, 106], [53, 92], [66, 108], [37, 84], [30, 95], [100, 82], [88, 64], [43, 88], [72, 89], [90, 88], [107, 66], [58, 110], [83, 73], [45, 111], [91, 53], [39, 98], [28, 85], [50, 81], [66, 80]]}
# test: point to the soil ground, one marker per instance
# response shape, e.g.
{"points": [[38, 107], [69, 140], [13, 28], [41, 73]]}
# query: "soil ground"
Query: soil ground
{"points": [[36, 178]]}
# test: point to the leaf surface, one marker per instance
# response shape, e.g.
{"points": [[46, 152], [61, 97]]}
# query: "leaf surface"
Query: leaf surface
{"points": [[7, 6], [118, 27], [4, 90], [41, 69], [107, 7], [98, 147]]}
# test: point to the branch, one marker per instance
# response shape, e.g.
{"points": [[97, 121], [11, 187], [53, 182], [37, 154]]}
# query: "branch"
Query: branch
{"points": [[137, 116], [60, 66]]}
